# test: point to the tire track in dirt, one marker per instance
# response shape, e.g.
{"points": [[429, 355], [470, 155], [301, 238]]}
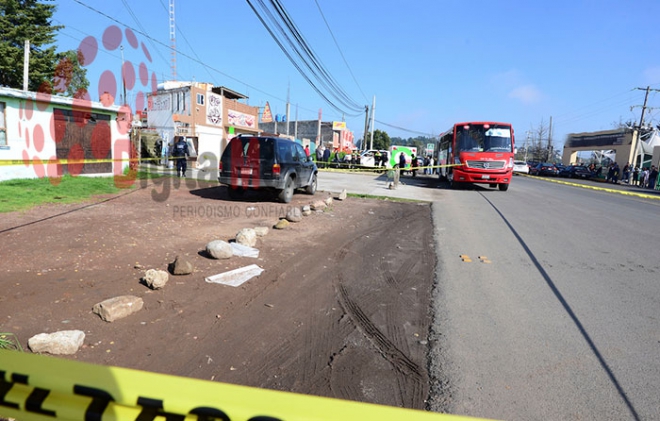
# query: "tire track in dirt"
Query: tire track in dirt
{"points": [[387, 349]]}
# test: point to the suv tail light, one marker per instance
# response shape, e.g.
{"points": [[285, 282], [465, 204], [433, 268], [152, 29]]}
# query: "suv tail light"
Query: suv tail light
{"points": [[276, 169], [220, 166]]}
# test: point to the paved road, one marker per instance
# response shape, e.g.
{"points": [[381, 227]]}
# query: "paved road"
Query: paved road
{"points": [[556, 316]]}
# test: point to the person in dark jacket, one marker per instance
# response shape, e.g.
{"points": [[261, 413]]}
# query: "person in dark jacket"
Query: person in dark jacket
{"points": [[180, 152]]}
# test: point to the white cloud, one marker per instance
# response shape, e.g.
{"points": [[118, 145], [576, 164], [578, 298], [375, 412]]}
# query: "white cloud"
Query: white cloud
{"points": [[527, 94]]}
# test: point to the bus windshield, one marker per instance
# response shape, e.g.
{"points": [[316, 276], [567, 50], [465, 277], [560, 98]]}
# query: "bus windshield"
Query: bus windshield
{"points": [[483, 138]]}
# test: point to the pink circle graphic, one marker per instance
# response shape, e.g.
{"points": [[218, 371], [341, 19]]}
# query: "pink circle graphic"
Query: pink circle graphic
{"points": [[108, 83], [38, 166], [144, 74], [140, 101], [154, 83], [29, 109], [54, 171], [146, 52], [88, 48], [26, 159], [76, 153], [129, 75], [131, 38], [27, 137], [112, 38], [58, 126], [43, 100], [38, 137], [101, 138]]}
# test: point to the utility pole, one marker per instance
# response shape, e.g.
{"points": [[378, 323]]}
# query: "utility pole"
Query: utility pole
{"points": [[373, 116], [641, 123], [366, 127]]}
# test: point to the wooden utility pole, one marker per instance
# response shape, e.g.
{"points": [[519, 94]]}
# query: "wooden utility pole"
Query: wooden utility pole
{"points": [[366, 127]]}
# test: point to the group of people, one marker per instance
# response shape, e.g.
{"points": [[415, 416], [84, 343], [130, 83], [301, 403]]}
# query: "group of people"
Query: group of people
{"points": [[633, 175], [643, 177]]}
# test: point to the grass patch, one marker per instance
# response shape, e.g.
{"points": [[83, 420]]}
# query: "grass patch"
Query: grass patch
{"points": [[26, 193], [388, 198], [10, 341]]}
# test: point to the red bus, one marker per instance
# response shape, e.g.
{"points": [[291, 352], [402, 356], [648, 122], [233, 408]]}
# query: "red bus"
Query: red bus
{"points": [[481, 152]]}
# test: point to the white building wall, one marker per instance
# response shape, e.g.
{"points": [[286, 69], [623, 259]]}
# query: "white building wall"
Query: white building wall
{"points": [[30, 129]]}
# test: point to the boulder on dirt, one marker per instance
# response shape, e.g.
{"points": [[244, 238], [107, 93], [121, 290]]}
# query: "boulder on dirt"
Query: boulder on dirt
{"points": [[319, 205], [156, 279], [282, 224], [261, 231], [219, 249], [306, 210], [247, 237], [294, 215], [64, 342], [181, 266], [118, 307], [342, 195]]}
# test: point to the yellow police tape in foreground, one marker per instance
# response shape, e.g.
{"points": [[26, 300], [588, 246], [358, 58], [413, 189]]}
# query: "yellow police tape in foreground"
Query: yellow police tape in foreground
{"points": [[37, 387]]}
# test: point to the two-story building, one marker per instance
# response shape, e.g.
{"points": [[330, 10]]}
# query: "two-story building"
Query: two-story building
{"points": [[50, 135], [207, 116]]}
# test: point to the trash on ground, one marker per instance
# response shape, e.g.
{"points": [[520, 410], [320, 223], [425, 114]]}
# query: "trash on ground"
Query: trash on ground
{"points": [[244, 251], [235, 277]]}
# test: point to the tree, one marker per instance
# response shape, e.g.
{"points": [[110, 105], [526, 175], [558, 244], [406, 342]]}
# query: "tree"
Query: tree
{"points": [[22, 20], [381, 140], [70, 78]]}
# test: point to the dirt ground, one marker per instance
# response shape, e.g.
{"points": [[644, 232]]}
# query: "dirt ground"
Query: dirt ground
{"points": [[342, 308]]}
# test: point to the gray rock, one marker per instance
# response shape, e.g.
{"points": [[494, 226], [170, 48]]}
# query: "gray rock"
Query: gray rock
{"points": [[319, 205], [181, 266], [156, 279], [261, 231], [294, 215], [328, 201], [119, 307], [342, 195], [64, 342], [283, 223], [219, 249], [306, 210], [247, 237]]}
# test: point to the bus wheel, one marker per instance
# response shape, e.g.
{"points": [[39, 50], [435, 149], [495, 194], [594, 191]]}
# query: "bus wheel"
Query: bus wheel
{"points": [[503, 187]]}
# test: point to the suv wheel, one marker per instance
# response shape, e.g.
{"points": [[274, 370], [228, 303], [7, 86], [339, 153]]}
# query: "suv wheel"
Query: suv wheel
{"points": [[311, 189], [286, 194]]}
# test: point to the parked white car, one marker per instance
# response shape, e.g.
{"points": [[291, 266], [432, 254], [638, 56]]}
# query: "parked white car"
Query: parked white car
{"points": [[520, 167]]}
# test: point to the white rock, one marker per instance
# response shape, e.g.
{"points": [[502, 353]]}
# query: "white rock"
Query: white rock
{"points": [[219, 249], [64, 342], [247, 237]]}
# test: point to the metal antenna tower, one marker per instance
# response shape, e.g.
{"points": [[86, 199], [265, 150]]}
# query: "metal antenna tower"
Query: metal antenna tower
{"points": [[173, 40]]}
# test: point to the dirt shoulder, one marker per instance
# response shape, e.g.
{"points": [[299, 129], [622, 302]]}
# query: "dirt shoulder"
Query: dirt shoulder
{"points": [[341, 309]]}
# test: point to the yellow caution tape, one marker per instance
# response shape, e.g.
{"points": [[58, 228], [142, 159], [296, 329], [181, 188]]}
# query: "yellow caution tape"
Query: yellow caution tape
{"points": [[42, 388], [64, 161]]}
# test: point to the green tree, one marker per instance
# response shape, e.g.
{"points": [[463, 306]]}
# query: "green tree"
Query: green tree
{"points": [[70, 78], [381, 140], [22, 20]]}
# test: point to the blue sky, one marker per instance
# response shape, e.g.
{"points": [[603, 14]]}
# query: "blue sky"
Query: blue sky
{"points": [[429, 63]]}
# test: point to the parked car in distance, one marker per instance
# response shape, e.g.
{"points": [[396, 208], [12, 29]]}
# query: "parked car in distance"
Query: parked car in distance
{"points": [[266, 163], [544, 168], [520, 167], [575, 171]]}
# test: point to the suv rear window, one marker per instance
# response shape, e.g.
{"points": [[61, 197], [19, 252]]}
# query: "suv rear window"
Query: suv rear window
{"points": [[251, 147]]}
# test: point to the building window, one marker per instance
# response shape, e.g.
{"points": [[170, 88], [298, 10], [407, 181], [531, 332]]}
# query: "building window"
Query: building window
{"points": [[200, 99], [3, 126]]}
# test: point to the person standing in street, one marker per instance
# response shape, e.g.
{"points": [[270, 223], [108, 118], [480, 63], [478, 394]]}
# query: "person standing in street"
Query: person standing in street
{"points": [[653, 177], [180, 152]]}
